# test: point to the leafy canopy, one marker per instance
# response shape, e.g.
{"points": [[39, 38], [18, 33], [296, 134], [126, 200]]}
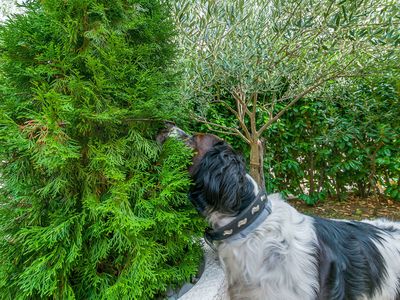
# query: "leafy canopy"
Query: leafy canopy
{"points": [[249, 56]]}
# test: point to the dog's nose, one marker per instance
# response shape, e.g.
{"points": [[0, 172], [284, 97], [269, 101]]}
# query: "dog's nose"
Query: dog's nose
{"points": [[172, 131], [178, 133]]}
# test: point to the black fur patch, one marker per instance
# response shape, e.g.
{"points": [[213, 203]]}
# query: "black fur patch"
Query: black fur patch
{"points": [[220, 182], [350, 263], [398, 289]]}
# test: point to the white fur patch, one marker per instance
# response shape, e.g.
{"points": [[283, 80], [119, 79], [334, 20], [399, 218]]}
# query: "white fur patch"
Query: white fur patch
{"points": [[276, 261]]}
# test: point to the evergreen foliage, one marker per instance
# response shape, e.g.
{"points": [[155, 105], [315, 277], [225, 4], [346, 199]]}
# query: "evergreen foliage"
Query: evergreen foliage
{"points": [[89, 207]]}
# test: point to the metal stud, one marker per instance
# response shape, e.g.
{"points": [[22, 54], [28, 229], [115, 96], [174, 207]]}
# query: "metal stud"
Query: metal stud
{"points": [[255, 209], [228, 232], [242, 222]]}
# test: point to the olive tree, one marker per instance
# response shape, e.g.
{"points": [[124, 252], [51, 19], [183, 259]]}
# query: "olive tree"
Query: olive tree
{"points": [[253, 60], [10, 7]]}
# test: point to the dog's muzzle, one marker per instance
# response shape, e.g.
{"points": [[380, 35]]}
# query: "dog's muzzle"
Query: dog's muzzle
{"points": [[175, 132]]}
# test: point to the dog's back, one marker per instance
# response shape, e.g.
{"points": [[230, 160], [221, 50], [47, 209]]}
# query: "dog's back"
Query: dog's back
{"points": [[389, 247], [276, 261], [292, 256]]}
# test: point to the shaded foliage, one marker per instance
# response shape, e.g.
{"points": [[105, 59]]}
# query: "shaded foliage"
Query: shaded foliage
{"points": [[347, 143]]}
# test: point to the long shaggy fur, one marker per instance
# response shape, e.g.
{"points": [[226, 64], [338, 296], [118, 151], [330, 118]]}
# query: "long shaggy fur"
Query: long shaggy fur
{"points": [[291, 256]]}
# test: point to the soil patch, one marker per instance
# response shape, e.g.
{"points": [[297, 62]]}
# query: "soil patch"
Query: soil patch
{"points": [[354, 208]]}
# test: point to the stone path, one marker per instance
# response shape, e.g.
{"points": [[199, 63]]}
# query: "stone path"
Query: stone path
{"points": [[212, 283]]}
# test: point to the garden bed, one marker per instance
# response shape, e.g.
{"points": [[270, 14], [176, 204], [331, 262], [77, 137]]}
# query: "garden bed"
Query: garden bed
{"points": [[356, 208]]}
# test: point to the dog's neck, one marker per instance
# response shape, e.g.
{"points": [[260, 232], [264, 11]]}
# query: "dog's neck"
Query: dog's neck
{"points": [[218, 219], [255, 185]]}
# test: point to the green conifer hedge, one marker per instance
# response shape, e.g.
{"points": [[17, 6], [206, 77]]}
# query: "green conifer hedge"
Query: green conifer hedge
{"points": [[89, 207]]}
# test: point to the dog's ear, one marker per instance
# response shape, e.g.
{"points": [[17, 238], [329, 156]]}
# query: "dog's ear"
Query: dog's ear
{"points": [[219, 180]]}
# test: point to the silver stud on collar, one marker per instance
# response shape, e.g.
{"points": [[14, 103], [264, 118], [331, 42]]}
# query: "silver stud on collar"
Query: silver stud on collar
{"points": [[228, 232], [263, 198], [255, 209], [242, 222]]}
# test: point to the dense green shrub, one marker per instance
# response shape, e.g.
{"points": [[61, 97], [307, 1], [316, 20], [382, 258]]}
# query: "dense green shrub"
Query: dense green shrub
{"points": [[89, 209], [346, 140]]}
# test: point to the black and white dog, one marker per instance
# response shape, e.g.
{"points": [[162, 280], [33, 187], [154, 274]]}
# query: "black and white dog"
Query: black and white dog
{"points": [[271, 251]]}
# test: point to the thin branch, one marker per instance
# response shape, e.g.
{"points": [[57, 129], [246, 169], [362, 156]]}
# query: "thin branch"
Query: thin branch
{"points": [[239, 99], [279, 34], [293, 102], [381, 24], [254, 97], [364, 147], [222, 131], [271, 112], [290, 53], [238, 117], [230, 130], [360, 143], [147, 120], [302, 94], [241, 107], [228, 107], [253, 116]]}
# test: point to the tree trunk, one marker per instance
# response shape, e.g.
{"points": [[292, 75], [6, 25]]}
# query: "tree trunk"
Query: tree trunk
{"points": [[321, 180], [257, 162], [338, 189], [372, 174], [361, 189], [371, 177], [311, 174]]}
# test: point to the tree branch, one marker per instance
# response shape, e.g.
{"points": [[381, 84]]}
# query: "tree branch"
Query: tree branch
{"points": [[147, 120], [293, 102], [253, 117], [231, 131], [238, 117], [305, 92], [239, 99], [241, 105]]}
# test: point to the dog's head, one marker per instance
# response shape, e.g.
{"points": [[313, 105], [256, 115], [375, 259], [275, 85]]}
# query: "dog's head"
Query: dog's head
{"points": [[220, 182]]}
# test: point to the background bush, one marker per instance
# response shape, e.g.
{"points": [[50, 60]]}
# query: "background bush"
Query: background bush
{"points": [[344, 140], [89, 207]]}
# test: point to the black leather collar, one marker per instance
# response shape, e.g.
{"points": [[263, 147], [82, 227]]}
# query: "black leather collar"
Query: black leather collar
{"points": [[241, 221]]}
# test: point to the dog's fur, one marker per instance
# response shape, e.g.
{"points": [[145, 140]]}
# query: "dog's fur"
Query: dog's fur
{"points": [[290, 256]]}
